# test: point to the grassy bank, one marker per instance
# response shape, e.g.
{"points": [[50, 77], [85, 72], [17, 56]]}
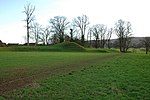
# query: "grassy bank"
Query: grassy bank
{"points": [[61, 47]]}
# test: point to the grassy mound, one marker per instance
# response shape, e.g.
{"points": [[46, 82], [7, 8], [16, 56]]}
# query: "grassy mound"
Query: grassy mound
{"points": [[68, 46], [61, 47]]}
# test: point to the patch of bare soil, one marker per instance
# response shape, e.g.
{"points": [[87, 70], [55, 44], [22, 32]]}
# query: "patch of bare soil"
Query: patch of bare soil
{"points": [[29, 80]]}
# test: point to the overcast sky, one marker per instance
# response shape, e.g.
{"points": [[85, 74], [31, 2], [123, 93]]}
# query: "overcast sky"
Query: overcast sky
{"points": [[99, 12]]}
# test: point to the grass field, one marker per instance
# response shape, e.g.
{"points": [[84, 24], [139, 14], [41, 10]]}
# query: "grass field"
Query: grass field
{"points": [[74, 75]]}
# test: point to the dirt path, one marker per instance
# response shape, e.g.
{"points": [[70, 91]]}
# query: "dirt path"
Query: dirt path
{"points": [[23, 81]]}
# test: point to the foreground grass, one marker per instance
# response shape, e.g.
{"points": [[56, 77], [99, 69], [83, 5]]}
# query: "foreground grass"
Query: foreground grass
{"points": [[124, 77], [19, 69], [20, 64]]}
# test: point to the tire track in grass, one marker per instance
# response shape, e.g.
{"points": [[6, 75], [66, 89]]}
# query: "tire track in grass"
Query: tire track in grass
{"points": [[42, 73]]}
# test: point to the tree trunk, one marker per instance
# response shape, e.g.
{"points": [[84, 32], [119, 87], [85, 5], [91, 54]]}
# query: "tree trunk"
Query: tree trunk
{"points": [[61, 40], [120, 45], [146, 50], [96, 43], [82, 39], [27, 34], [90, 40], [62, 37], [108, 44]]}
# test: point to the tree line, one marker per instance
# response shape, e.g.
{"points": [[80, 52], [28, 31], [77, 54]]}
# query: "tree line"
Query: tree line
{"points": [[79, 30]]}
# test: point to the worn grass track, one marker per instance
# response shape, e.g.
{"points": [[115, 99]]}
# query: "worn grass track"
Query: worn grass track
{"points": [[106, 77], [17, 75]]}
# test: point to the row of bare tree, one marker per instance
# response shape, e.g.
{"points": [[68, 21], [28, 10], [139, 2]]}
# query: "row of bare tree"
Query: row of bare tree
{"points": [[58, 27], [101, 35], [55, 31]]}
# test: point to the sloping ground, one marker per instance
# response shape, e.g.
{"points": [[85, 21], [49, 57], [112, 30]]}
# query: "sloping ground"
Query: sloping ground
{"points": [[26, 77], [63, 47], [125, 77], [102, 50], [68, 46]]}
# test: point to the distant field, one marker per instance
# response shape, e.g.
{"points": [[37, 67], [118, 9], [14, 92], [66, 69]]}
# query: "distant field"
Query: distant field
{"points": [[74, 75]]}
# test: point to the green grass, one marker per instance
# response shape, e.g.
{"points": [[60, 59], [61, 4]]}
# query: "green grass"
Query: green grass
{"points": [[69, 47], [61, 47], [29, 63], [102, 50], [92, 76], [137, 50]]}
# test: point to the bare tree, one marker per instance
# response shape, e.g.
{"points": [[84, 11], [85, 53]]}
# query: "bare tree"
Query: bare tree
{"points": [[59, 25], [120, 30], [128, 35], [123, 31], [146, 42], [109, 34], [82, 23], [39, 34], [95, 32], [99, 33], [28, 10], [102, 32], [90, 33], [35, 32], [45, 35], [54, 39], [42, 37]]}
